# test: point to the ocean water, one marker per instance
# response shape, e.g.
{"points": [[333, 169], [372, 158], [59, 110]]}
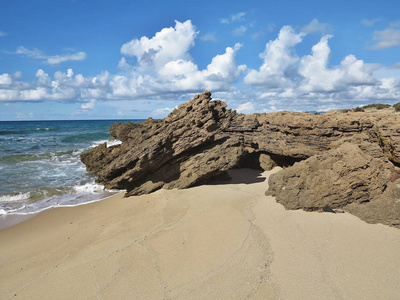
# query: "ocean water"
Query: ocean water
{"points": [[40, 166]]}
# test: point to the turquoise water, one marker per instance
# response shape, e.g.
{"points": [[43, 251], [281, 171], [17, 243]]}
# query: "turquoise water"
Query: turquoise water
{"points": [[40, 165]]}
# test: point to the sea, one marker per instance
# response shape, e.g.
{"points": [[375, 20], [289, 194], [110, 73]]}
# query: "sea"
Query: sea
{"points": [[40, 165]]}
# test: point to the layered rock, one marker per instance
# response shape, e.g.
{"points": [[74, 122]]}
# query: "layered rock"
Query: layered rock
{"points": [[345, 160], [186, 148]]}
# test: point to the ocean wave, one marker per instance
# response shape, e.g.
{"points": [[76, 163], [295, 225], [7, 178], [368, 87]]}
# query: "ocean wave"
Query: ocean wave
{"points": [[43, 199], [17, 197], [110, 142], [113, 142], [89, 188]]}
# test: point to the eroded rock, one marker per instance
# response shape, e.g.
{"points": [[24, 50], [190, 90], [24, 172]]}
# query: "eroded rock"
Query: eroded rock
{"points": [[351, 177], [344, 160]]}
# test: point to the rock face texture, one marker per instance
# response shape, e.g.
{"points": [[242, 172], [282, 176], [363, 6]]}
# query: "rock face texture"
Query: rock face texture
{"points": [[344, 160], [186, 148], [347, 177]]}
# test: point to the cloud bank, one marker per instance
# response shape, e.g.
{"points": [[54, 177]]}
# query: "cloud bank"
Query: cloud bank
{"points": [[161, 67]]}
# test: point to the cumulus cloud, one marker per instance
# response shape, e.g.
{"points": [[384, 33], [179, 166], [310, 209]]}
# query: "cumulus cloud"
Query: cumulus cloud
{"points": [[164, 64], [318, 77], [160, 67], [278, 57], [310, 82], [233, 18], [5, 79], [387, 38], [62, 87], [314, 68], [167, 45], [52, 60]]}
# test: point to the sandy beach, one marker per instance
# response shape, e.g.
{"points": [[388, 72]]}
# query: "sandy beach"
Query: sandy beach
{"points": [[219, 241]]}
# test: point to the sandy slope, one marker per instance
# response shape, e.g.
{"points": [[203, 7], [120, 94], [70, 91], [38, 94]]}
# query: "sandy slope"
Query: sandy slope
{"points": [[209, 242]]}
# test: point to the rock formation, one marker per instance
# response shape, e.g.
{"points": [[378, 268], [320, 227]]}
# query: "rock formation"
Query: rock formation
{"points": [[344, 160]]}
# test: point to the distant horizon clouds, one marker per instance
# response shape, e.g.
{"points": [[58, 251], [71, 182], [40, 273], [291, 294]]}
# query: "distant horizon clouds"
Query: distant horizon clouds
{"points": [[163, 65]]}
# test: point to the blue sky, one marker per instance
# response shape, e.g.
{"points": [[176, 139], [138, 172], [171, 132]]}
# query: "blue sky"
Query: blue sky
{"points": [[81, 59]]}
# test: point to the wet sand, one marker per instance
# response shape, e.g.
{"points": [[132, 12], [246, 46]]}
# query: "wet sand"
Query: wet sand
{"points": [[221, 241]]}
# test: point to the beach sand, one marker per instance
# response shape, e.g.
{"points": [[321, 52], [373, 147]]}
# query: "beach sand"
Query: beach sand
{"points": [[220, 241]]}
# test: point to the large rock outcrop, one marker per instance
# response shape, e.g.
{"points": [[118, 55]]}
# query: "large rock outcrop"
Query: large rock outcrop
{"points": [[345, 160], [186, 148]]}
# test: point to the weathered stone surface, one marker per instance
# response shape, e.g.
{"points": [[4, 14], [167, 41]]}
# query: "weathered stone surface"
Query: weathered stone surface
{"points": [[185, 148], [347, 177], [266, 162], [344, 160]]}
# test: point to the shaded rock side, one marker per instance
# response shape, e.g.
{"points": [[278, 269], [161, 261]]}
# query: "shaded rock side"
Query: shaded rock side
{"points": [[355, 178]]}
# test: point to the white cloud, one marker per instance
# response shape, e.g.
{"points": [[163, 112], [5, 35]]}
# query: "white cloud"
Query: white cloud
{"points": [[316, 26], [2, 33], [164, 64], [387, 38], [167, 45], [278, 57], [5, 79], [208, 37], [369, 22], [63, 86], [233, 18], [43, 78], [314, 69], [310, 82], [161, 68], [123, 64], [245, 108], [240, 31], [52, 60], [57, 59], [89, 105], [161, 112]]}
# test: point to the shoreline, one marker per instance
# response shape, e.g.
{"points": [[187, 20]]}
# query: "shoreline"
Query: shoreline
{"points": [[214, 241], [12, 219]]}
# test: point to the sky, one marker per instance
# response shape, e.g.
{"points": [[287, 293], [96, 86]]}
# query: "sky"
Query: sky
{"points": [[119, 59]]}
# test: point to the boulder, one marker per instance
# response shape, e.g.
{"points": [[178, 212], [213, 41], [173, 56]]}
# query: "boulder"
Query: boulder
{"points": [[352, 177]]}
